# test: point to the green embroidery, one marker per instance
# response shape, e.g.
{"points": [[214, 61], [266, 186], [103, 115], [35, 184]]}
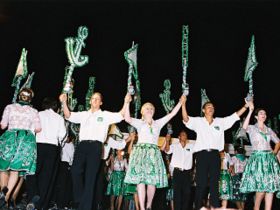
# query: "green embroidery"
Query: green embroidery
{"points": [[100, 119], [217, 128]]}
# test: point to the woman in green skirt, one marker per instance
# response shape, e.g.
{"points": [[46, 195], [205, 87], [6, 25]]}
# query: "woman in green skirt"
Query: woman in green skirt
{"points": [[18, 144], [262, 172], [115, 187], [225, 182], [146, 166]]}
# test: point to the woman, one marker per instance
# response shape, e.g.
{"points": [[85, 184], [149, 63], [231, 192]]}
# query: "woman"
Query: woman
{"points": [[116, 185], [225, 182], [262, 172], [18, 145], [239, 162], [146, 166]]}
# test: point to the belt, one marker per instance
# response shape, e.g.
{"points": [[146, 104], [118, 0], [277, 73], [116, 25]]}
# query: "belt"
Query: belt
{"points": [[209, 150], [180, 169]]}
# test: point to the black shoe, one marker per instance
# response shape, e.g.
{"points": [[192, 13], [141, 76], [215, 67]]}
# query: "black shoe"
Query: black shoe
{"points": [[32, 204], [2, 196]]}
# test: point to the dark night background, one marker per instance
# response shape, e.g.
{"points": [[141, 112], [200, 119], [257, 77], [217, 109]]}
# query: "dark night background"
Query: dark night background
{"points": [[220, 35]]}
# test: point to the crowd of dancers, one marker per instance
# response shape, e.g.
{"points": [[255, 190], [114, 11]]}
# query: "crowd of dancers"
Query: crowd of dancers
{"points": [[130, 170]]}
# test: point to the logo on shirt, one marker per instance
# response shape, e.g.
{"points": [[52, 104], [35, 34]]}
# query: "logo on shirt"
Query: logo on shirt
{"points": [[217, 128], [100, 119]]}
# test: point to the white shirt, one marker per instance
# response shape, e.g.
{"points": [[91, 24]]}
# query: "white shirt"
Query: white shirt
{"points": [[210, 136], [53, 128], [149, 133], [114, 145], [67, 153], [226, 162], [94, 125], [182, 157]]}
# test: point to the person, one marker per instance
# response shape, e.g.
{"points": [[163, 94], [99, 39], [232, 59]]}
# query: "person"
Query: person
{"points": [[239, 162], [262, 172], [225, 182], [115, 186], [209, 141], [18, 144], [53, 132], [181, 162], [63, 195], [146, 166], [94, 125]]}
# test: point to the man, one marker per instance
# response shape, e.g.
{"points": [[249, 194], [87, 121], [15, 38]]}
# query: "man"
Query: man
{"points": [[53, 132], [94, 125], [181, 162], [209, 141]]}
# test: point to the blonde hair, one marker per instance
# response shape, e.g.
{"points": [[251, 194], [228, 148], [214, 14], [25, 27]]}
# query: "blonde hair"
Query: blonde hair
{"points": [[145, 105]]}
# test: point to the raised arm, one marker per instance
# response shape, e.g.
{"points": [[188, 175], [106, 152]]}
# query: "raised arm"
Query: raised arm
{"points": [[167, 143], [184, 112], [127, 117], [63, 100], [127, 100], [177, 107], [243, 108], [247, 119]]}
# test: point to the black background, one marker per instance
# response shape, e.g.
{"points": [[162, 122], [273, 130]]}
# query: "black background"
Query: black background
{"points": [[220, 35]]}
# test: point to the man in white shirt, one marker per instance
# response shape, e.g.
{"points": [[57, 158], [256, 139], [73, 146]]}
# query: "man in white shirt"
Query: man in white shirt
{"points": [[181, 161], [209, 141], [94, 125], [53, 131]]}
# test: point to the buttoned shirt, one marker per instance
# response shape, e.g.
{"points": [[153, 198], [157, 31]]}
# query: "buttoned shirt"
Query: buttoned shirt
{"points": [[94, 125], [260, 140], [182, 157], [53, 128], [210, 136], [17, 116], [149, 133]]}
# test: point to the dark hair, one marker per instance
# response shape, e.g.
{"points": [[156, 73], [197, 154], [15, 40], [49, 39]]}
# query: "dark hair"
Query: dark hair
{"points": [[50, 103], [26, 94], [240, 150], [256, 112], [206, 103]]}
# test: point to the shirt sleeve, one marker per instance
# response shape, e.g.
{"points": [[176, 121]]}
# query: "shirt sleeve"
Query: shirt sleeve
{"points": [[62, 129], [230, 120], [37, 122], [136, 123], [116, 144], [5, 116], [273, 135], [249, 129], [229, 159], [75, 117], [192, 123], [113, 117]]}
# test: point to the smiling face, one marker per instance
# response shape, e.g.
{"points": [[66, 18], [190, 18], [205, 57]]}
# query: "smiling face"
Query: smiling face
{"points": [[260, 115], [208, 109], [148, 110], [96, 100]]}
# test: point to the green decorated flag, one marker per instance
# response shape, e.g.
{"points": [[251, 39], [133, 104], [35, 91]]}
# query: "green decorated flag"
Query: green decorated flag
{"points": [[185, 58], [204, 98], [91, 84], [131, 57], [20, 74], [250, 67], [28, 81], [166, 101]]}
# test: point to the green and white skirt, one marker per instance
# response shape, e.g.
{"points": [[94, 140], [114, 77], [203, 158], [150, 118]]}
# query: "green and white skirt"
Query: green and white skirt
{"points": [[146, 166], [237, 195], [225, 185], [116, 184], [18, 151], [261, 174]]}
